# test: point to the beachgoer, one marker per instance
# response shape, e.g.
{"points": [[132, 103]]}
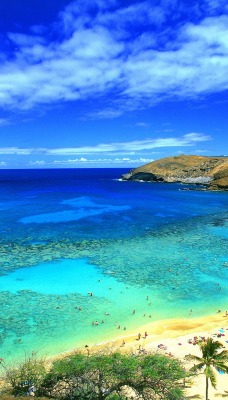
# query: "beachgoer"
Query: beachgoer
{"points": [[139, 336], [133, 312], [123, 343], [145, 335]]}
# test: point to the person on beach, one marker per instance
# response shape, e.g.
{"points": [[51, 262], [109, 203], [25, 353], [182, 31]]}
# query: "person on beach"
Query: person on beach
{"points": [[145, 335], [139, 336], [133, 312]]}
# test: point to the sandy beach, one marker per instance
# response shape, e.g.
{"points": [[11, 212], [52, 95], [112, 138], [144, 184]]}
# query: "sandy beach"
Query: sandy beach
{"points": [[175, 338]]}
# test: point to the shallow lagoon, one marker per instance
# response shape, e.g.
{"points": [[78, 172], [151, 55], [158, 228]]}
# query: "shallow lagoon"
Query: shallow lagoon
{"points": [[67, 233]]}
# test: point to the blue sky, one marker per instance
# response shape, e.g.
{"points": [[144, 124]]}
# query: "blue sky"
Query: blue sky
{"points": [[111, 83]]}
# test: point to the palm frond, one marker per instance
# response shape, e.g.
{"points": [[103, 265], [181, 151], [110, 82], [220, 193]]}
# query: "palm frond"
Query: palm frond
{"points": [[211, 375], [192, 357], [222, 356], [210, 347], [197, 367], [222, 367]]}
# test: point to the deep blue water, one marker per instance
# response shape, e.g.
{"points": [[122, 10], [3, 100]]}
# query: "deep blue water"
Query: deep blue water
{"points": [[67, 232]]}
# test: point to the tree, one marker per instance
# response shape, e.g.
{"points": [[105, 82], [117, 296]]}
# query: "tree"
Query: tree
{"points": [[114, 376], [211, 359], [27, 376]]}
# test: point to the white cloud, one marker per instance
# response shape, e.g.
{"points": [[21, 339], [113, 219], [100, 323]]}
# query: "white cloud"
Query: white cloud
{"points": [[135, 146], [37, 163], [16, 150], [98, 55], [3, 122], [142, 124], [87, 162]]}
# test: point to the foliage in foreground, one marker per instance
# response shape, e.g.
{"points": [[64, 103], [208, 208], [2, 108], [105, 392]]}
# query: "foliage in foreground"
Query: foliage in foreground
{"points": [[115, 376], [100, 376], [26, 375]]}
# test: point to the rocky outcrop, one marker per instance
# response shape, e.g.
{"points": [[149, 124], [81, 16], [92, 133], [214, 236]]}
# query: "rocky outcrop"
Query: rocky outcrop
{"points": [[209, 171]]}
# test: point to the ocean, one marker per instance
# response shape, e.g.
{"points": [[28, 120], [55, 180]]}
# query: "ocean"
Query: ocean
{"points": [[86, 257]]}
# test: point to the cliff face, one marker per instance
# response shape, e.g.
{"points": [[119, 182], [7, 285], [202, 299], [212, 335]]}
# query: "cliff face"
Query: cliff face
{"points": [[211, 171]]}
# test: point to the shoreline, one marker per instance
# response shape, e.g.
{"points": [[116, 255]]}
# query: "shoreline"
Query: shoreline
{"points": [[163, 329], [173, 338]]}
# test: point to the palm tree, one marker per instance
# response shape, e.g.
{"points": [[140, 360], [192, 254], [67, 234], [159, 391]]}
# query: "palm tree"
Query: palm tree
{"points": [[211, 359]]}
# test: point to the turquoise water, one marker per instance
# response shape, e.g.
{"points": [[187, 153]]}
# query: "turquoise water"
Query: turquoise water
{"points": [[67, 233]]}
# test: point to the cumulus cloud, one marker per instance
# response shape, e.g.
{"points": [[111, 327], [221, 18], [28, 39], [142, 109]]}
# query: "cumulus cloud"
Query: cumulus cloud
{"points": [[85, 162], [94, 53]]}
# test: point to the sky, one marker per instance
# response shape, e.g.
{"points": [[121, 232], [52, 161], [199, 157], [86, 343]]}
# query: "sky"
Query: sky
{"points": [[111, 83]]}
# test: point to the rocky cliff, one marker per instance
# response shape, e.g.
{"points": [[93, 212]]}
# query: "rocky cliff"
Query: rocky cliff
{"points": [[209, 171]]}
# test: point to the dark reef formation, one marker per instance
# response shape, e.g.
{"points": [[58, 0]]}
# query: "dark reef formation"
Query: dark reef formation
{"points": [[212, 172]]}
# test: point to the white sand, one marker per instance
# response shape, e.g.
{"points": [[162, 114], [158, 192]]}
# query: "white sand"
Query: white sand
{"points": [[174, 335]]}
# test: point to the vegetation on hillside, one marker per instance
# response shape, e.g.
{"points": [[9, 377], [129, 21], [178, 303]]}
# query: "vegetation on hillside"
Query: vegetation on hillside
{"points": [[99, 376], [111, 376]]}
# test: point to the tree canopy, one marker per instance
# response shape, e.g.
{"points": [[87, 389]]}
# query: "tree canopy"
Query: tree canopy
{"points": [[115, 376]]}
